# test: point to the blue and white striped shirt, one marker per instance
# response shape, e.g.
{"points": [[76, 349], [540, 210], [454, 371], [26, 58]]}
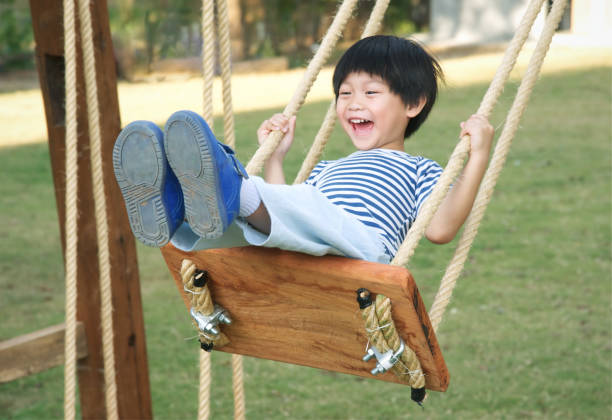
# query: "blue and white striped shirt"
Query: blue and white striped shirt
{"points": [[383, 188]]}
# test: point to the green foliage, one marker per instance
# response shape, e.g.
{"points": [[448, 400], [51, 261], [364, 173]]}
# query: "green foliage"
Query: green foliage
{"points": [[406, 16], [527, 334], [15, 34], [148, 30], [144, 31]]}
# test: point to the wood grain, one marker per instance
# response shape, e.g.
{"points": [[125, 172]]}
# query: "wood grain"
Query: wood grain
{"points": [[301, 309], [132, 377], [41, 350]]}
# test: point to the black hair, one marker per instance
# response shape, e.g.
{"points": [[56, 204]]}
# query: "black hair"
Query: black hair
{"points": [[409, 70]]}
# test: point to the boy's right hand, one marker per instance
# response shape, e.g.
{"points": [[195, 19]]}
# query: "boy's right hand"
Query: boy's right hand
{"points": [[278, 122]]}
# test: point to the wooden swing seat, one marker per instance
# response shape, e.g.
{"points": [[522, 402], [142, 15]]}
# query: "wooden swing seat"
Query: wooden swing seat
{"points": [[301, 309]]}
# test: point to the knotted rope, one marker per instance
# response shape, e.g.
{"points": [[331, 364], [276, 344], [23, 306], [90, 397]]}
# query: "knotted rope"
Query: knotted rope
{"points": [[93, 116], [383, 335], [195, 284]]}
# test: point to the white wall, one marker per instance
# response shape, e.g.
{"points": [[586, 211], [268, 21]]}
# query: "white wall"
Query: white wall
{"points": [[482, 21], [477, 21]]}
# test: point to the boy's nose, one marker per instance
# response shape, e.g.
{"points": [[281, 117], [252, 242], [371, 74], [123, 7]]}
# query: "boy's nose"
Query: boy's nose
{"points": [[354, 106]]}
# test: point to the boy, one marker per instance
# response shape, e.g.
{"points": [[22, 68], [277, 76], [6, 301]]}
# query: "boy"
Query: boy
{"points": [[360, 206]]}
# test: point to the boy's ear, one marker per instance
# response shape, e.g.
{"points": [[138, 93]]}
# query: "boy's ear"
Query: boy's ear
{"points": [[414, 109]]}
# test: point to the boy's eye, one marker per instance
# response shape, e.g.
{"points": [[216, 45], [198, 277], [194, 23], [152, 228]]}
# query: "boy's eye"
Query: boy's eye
{"points": [[371, 92], [345, 93]]}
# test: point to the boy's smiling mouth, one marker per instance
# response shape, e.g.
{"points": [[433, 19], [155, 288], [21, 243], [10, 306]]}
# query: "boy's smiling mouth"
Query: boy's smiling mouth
{"points": [[361, 125]]}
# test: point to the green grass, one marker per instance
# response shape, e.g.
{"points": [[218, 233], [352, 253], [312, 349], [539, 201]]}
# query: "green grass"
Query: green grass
{"points": [[527, 335]]}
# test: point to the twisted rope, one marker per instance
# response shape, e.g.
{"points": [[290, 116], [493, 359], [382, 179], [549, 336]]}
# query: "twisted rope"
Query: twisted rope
{"points": [[316, 150], [201, 301], [498, 160], [208, 74], [329, 41], [226, 72], [410, 363], [223, 30], [93, 119], [461, 151], [208, 58], [205, 381], [70, 354], [238, 384], [93, 109], [383, 335]]}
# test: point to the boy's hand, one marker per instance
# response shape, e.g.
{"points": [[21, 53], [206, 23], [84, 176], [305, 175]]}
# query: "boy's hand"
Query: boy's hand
{"points": [[481, 135], [278, 122], [459, 201]]}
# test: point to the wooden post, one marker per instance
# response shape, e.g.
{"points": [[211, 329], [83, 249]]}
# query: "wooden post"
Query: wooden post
{"points": [[134, 398], [34, 352]]}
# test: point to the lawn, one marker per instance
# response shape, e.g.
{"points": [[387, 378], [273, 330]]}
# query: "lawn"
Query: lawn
{"points": [[527, 335]]}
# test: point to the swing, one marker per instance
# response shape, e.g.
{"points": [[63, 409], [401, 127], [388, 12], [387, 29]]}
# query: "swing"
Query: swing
{"points": [[301, 309], [326, 311]]}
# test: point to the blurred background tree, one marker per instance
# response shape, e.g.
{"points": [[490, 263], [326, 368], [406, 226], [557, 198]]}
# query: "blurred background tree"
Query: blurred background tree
{"points": [[16, 35], [147, 31]]}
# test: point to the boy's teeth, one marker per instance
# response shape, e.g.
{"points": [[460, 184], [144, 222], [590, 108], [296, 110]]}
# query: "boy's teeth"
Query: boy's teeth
{"points": [[356, 121]]}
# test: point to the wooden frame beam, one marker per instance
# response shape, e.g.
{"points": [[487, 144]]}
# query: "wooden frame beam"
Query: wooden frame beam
{"points": [[134, 398], [34, 352]]}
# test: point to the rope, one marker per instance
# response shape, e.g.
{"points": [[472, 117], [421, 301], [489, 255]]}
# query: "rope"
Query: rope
{"points": [[238, 384], [461, 151], [201, 301], [382, 334], [70, 354], [497, 162], [410, 363], [205, 380], [71, 207], [208, 74], [316, 150], [208, 58], [329, 41], [208, 63], [93, 119], [226, 71], [223, 30]]}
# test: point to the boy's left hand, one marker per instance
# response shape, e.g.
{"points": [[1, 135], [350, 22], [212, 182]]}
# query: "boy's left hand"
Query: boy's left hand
{"points": [[481, 135]]}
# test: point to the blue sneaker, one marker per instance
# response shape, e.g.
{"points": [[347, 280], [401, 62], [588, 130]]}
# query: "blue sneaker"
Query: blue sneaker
{"points": [[208, 171], [152, 194]]}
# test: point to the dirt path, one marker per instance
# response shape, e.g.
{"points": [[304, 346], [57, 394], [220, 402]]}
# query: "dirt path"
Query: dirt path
{"points": [[23, 121]]}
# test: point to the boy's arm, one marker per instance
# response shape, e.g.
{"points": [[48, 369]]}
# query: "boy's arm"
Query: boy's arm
{"points": [[457, 204], [273, 170]]}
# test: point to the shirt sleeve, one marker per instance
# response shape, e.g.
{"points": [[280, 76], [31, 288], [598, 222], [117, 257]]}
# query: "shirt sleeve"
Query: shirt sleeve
{"points": [[313, 178], [428, 173]]}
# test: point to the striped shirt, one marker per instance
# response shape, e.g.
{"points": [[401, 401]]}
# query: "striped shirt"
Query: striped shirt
{"points": [[384, 189]]}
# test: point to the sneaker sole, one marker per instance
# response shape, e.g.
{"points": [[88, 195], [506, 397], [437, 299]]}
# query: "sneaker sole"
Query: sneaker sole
{"points": [[188, 147], [138, 163]]}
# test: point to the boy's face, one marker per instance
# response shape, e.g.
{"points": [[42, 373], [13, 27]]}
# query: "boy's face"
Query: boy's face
{"points": [[372, 115]]}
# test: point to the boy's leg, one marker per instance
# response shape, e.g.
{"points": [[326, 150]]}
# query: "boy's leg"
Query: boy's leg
{"points": [[153, 198], [302, 219], [209, 174]]}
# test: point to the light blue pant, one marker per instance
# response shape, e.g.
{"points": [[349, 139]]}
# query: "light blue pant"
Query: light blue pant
{"points": [[303, 220]]}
